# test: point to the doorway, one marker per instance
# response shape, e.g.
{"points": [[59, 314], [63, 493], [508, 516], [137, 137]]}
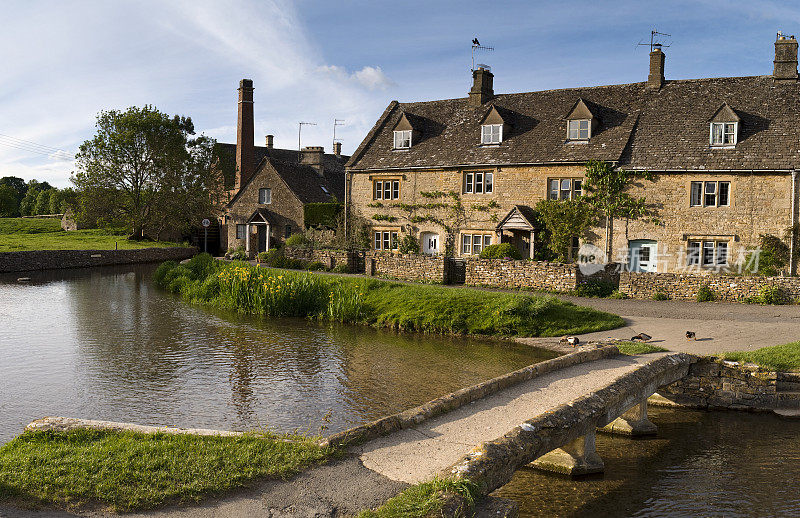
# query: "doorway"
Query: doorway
{"points": [[261, 231], [430, 243], [643, 255]]}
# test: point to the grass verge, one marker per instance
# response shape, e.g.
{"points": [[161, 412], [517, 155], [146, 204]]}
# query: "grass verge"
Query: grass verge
{"points": [[634, 348], [21, 234], [128, 471], [428, 499], [428, 309], [781, 358]]}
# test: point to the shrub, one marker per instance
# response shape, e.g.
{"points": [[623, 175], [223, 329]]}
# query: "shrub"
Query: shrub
{"points": [[237, 254], [660, 295], [618, 295], [315, 266], [409, 244], [161, 272], [500, 251], [200, 265], [341, 268], [298, 241], [706, 294], [773, 295], [595, 289]]}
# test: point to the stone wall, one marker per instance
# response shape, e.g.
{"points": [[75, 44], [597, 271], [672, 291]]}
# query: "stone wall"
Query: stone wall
{"points": [[354, 260], [685, 286], [714, 383], [416, 268], [57, 259], [536, 275]]}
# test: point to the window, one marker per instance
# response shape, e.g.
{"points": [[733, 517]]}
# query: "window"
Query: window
{"points": [[491, 133], [386, 240], [710, 194], [241, 231], [324, 189], [402, 139], [287, 231], [478, 183], [579, 129], [565, 188], [576, 246], [473, 244], [723, 133], [707, 253], [386, 190], [265, 196]]}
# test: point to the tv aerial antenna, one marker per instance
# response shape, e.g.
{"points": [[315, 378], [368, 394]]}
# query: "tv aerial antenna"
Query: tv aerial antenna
{"points": [[299, 130], [476, 45], [655, 42], [336, 122]]}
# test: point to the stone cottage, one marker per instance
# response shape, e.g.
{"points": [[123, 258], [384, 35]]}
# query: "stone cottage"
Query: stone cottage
{"points": [[725, 154], [271, 187]]}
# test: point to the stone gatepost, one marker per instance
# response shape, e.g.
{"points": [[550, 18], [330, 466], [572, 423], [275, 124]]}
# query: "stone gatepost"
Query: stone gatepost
{"points": [[633, 422], [576, 458]]}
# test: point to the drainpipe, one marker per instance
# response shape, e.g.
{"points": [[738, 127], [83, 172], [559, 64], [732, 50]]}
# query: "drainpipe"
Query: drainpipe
{"points": [[792, 237], [346, 174]]}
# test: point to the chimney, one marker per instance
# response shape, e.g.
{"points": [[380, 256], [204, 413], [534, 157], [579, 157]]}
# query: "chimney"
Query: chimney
{"points": [[656, 78], [785, 70], [482, 86], [270, 138], [245, 134], [312, 155], [337, 148]]}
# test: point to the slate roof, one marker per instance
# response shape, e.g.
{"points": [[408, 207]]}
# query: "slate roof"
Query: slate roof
{"points": [[666, 129], [302, 179]]}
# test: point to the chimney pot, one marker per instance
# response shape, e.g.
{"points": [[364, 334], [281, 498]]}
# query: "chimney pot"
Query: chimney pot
{"points": [[785, 64], [245, 135], [312, 156], [482, 86], [337, 148], [270, 139], [656, 78]]}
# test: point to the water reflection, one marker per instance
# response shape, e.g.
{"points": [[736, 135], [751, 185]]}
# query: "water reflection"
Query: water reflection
{"points": [[106, 344]]}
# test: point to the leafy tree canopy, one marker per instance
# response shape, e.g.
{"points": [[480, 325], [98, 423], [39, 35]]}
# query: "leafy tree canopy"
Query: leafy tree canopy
{"points": [[9, 205]]}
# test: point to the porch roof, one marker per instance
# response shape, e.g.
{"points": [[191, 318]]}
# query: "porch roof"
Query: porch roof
{"points": [[260, 215], [521, 217]]}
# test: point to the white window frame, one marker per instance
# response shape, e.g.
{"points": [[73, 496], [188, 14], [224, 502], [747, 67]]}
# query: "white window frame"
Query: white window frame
{"points": [[478, 182], [556, 190], [386, 189], [243, 228], [579, 129], [704, 189], [696, 253], [722, 134], [386, 240], [491, 134], [402, 139], [473, 244], [265, 196]]}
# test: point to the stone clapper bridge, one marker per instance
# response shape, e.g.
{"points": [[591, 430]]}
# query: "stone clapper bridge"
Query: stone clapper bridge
{"points": [[545, 414]]}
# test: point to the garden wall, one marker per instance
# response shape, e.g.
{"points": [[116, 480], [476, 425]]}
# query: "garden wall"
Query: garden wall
{"points": [[417, 268], [57, 259], [535, 275], [685, 286], [329, 257]]}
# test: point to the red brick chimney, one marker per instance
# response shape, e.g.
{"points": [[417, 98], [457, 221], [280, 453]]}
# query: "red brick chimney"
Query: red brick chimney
{"points": [[245, 135]]}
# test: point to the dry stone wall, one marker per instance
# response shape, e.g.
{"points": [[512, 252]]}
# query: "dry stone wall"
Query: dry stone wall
{"points": [[354, 260], [685, 286], [416, 268], [57, 259], [536, 275]]}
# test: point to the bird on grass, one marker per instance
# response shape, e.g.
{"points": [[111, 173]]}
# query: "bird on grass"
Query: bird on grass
{"points": [[690, 335]]}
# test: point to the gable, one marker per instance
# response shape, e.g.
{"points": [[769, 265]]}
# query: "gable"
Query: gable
{"points": [[580, 111], [725, 114], [403, 124], [493, 117]]}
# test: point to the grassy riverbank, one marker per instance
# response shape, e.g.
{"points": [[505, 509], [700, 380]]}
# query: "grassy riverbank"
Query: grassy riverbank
{"points": [[20, 234], [427, 499], [429, 309], [781, 358], [128, 471]]}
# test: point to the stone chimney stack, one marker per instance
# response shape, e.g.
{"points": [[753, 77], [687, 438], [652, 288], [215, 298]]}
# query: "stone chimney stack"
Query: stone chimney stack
{"points": [[482, 86], [337, 148], [245, 134], [270, 139], [312, 155], [656, 78], [785, 70]]}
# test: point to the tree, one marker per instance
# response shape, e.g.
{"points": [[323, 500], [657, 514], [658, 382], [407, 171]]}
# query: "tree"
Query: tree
{"points": [[565, 220], [9, 206], [143, 168], [605, 187], [16, 183], [43, 202]]}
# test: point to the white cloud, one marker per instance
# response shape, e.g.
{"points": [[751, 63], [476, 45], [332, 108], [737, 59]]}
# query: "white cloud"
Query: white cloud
{"points": [[373, 78]]}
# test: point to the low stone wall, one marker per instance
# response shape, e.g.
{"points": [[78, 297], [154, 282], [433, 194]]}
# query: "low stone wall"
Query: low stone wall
{"points": [[717, 384], [685, 286], [57, 259], [331, 258], [536, 275], [438, 406], [417, 268]]}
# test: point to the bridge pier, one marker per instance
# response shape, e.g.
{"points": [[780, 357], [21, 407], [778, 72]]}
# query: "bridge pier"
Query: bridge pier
{"points": [[576, 458], [633, 422]]}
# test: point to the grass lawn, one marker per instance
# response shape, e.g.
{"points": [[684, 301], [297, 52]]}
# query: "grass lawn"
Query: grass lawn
{"points": [[18, 234], [634, 348], [128, 471], [425, 499], [782, 358]]}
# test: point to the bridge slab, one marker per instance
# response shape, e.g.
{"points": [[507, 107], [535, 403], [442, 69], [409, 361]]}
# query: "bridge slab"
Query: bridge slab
{"points": [[576, 458], [633, 422]]}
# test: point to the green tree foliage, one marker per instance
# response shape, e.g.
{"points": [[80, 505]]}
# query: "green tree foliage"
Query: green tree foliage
{"points": [[16, 183], [606, 194], [500, 251], [144, 169], [9, 205], [564, 219], [321, 214], [43, 201], [409, 244]]}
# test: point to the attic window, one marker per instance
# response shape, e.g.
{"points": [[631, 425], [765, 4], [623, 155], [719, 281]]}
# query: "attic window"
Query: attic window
{"points": [[324, 189], [579, 129], [724, 133], [402, 139], [491, 133]]}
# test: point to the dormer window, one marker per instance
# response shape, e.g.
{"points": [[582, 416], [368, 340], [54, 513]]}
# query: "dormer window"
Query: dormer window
{"points": [[491, 133], [724, 133], [580, 129], [402, 139]]}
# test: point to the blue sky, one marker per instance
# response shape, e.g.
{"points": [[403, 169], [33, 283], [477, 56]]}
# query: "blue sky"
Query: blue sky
{"points": [[319, 60]]}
